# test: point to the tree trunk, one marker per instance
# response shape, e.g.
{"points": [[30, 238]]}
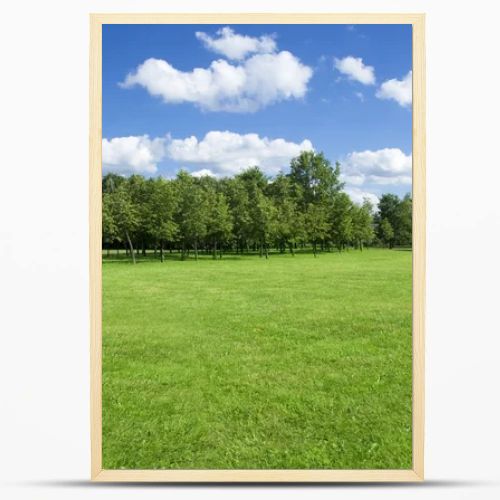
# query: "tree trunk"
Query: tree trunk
{"points": [[314, 248], [131, 246], [215, 249], [267, 250], [195, 249], [161, 251]]}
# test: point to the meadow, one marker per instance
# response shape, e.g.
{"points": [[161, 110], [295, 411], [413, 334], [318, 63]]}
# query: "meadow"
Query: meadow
{"points": [[253, 363]]}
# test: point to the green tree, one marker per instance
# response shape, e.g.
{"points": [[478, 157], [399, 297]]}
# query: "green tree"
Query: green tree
{"points": [[315, 179], [239, 206], [317, 225], [387, 233], [388, 207], [193, 212], [260, 210], [111, 181], [362, 219], [162, 207], [220, 224], [253, 176], [125, 214], [289, 220], [109, 229], [404, 221], [341, 218], [263, 217], [399, 214], [140, 190]]}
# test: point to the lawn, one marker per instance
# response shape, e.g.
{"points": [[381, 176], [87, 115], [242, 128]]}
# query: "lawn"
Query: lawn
{"points": [[247, 363]]}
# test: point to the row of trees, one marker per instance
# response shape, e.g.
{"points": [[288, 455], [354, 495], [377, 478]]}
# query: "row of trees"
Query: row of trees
{"points": [[248, 212]]}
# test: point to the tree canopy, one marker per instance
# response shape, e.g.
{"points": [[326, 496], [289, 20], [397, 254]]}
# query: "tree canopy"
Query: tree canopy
{"points": [[250, 212]]}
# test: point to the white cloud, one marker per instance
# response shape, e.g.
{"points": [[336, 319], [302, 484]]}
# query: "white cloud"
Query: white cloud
{"points": [[389, 166], [219, 153], [228, 153], [354, 68], [234, 46], [261, 80], [358, 196], [398, 90], [203, 173], [132, 155]]}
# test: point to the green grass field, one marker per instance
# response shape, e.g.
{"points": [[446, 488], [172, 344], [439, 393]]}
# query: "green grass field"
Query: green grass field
{"points": [[247, 363]]}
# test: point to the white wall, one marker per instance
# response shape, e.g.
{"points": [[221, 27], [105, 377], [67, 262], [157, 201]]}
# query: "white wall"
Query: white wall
{"points": [[44, 445]]}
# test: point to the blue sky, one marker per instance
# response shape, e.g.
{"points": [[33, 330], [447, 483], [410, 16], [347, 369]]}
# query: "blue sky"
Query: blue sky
{"points": [[261, 93]]}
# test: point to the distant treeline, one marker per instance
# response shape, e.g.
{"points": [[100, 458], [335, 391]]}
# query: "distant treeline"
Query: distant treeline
{"points": [[248, 212]]}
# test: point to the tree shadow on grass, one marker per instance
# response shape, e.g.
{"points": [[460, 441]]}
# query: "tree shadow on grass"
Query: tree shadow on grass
{"points": [[176, 257]]}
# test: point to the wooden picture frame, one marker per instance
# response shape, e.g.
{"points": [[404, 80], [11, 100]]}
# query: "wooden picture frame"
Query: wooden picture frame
{"points": [[416, 473]]}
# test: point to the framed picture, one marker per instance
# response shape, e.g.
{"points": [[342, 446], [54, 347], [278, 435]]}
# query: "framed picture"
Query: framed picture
{"points": [[257, 247]]}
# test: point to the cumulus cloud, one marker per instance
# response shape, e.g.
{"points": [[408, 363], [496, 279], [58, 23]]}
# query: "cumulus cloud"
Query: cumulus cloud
{"points": [[223, 153], [218, 154], [204, 172], [358, 196], [389, 166], [261, 80], [398, 90], [354, 69], [235, 46], [132, 155]]}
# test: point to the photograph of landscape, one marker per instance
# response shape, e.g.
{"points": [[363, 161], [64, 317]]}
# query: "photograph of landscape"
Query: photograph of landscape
{"points": [[257, 246]]}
